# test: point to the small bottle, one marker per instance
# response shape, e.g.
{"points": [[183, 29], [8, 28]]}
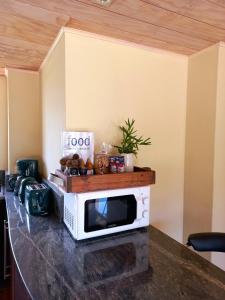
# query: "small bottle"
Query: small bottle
{"points": [[121, 168], [113, 168]]}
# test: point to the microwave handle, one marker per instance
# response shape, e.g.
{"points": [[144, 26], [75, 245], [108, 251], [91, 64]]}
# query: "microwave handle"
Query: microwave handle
{"points": [[139, 208]]}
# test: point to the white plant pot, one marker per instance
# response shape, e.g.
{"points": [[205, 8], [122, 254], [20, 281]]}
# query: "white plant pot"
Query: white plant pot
{"points": [[128, 162]]}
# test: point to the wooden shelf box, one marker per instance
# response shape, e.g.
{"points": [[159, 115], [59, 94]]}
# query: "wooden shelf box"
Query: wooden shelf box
{"points": [[79, 184]]}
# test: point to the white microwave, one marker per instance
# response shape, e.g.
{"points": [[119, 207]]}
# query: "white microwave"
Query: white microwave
{"points": [[92, 214]]}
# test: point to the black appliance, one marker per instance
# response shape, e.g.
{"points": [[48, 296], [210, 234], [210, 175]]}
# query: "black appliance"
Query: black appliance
{"points": [[27, 174], [4, 239], [2, 218], [37, 199]]}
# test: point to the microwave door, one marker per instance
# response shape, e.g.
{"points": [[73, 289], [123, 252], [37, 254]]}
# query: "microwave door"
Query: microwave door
{"points": [[108, 212]]}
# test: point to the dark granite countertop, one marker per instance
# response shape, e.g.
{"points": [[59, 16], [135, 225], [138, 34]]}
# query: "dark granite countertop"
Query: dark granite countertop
{"points": [[141, 264]]}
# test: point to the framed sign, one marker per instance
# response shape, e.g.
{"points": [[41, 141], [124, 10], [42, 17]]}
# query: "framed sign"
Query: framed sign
{"points": [[81, 143]]}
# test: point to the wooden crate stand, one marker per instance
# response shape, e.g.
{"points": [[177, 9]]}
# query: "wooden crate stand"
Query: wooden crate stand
{"points": [[79, 184]]}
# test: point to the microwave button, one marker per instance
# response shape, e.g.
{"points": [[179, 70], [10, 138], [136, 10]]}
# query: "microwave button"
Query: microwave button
{"points": [[144, 199], [145, 213]]}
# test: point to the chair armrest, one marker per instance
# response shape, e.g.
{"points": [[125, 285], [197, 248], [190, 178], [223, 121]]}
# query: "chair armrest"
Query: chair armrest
{"points": [[207, 241]]}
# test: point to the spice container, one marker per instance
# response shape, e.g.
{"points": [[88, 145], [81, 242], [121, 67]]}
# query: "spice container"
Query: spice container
{"points": [[102, 160], [116, 164]]}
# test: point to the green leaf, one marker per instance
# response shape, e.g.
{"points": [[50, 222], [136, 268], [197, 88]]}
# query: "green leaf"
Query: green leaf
{"points": [[130, 141]]}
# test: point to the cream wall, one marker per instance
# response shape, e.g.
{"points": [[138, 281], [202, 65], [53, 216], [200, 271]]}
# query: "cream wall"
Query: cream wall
{"points": [[204, 205], [24, 118], [53, 107], [218, 209], [200, 128], [107, 82], [3, 125]]}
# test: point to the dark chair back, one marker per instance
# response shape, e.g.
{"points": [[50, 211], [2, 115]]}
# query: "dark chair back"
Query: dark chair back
{"points": [[207, 241], [2, 181]]}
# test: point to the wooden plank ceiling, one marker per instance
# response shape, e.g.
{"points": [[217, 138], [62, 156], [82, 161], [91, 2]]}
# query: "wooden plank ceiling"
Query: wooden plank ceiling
{"points": [[28, 27]]}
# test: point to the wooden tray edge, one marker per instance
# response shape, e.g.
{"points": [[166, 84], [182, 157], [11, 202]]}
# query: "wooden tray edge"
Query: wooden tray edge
{"points": [[70, 180]]}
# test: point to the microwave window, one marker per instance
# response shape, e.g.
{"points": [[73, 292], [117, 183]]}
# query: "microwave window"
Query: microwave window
{"points": [[109, 212]]}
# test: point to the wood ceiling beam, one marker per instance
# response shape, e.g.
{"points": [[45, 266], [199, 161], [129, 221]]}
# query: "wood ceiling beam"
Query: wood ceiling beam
{"points": [[151, 14], [205, 11], [27, 29], [15, 52], [35, 13], [218, 2], [90, 13], [2, 71], [137, 39]]}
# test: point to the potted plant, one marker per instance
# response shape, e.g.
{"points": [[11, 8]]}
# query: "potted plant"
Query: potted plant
{"points": [[130, 143]]}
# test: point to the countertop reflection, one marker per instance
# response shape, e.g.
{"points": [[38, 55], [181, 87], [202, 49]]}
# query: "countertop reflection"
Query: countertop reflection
{"points": [[140, 264]]}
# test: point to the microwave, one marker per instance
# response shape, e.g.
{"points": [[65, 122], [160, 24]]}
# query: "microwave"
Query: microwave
{"points": [[97, 213]]}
